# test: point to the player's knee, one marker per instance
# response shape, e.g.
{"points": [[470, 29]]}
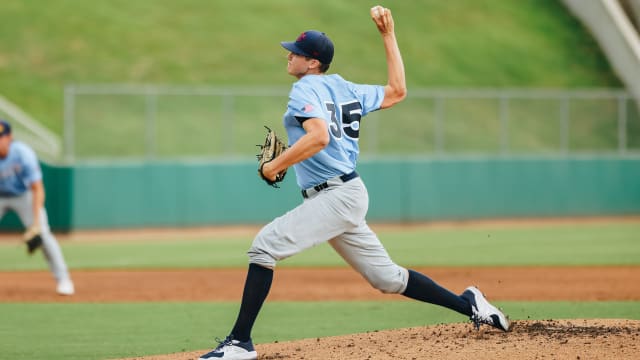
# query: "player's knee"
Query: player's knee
{"points": [[389, 282], [262, 251], [387, 286], [261, 257]]}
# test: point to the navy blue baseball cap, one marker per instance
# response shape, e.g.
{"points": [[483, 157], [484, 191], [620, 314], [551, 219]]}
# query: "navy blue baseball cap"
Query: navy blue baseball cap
{"points": [[5, 128], [313, 44]]}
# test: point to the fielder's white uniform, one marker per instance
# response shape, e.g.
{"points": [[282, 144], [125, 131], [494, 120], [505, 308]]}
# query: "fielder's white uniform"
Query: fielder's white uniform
{"points": [[18, 171]]}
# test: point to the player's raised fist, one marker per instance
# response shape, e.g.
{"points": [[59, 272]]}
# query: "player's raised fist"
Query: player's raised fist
{"points": [[382, 18], [377, 11]]}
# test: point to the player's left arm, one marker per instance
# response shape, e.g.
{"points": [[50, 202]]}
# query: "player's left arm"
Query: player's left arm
{"points": [[315, 139]]}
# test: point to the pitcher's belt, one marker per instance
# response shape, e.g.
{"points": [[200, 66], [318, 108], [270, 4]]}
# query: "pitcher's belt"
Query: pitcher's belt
{"points": [[316, 189]]}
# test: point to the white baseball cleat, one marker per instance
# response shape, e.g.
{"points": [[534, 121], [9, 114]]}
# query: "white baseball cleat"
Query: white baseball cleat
{"points": [[230, 349], [65, 287], [483, 311]]}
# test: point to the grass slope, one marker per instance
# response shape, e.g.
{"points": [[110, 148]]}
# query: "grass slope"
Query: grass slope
{"points": [[495, 43]]}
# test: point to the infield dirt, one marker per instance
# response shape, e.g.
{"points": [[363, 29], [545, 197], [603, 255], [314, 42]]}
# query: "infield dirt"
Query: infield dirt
{"points": [[577, 283], [552, 339]]}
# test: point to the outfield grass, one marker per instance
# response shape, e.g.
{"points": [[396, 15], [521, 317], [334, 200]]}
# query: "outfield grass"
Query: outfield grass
{"points": [[578, 244], [108, 331]]}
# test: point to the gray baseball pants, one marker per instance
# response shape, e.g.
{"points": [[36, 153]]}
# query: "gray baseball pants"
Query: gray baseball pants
{"points": [[337, 215], [22, 205]]}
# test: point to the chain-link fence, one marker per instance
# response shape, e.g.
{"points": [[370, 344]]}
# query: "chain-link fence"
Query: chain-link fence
{"points": [[167, 122]]}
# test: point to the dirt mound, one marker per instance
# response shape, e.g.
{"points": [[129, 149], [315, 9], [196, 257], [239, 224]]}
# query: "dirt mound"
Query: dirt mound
{"points": [[549, 339]]}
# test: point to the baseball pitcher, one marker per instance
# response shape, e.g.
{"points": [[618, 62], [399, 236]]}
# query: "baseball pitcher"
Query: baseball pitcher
{"points": [[322, 121]]}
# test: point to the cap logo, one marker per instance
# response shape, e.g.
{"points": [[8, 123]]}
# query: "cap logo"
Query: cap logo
{"points": [[301, 37]]}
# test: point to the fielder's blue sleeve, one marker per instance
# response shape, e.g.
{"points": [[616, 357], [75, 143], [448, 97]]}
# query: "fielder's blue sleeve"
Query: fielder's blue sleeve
{"points": [[31, 167]]}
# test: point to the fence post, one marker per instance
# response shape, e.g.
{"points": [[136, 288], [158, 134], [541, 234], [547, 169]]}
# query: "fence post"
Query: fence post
{"points": [[69, 122], [622, 123], [504, 125], [438, 121], [565, 114], [151, 114], [227, 117]]}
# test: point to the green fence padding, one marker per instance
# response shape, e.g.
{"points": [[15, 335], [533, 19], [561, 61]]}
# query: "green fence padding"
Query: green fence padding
{"points": [[175, 194], [514, 187], [182, 194], [58, 183]]}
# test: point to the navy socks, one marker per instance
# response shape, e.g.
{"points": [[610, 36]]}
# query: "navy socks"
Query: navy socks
{"points": [[256, 289], [424, 289], [258, 284]]}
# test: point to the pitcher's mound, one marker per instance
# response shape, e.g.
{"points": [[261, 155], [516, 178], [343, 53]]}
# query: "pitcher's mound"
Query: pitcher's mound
{"points": [[547, 339]]}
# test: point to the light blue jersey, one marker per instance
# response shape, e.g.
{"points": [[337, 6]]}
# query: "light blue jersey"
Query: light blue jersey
{"points": [[18, 170], [341, 104]]}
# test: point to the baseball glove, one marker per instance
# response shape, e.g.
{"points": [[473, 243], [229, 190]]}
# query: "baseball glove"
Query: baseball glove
{"points": [[272, 148], [33, 239]]}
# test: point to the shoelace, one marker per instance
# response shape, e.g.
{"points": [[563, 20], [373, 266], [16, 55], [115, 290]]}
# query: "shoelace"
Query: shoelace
{"points": [[478, 320], [222, 343]]}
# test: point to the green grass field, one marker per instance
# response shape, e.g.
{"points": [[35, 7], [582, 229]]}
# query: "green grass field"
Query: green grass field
{"points": [[583, 244], [104, 331], [108, 331]]}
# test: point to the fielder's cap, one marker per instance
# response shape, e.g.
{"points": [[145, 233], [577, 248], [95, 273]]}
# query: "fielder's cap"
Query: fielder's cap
{"points": [[313, 44], [5, 128]]}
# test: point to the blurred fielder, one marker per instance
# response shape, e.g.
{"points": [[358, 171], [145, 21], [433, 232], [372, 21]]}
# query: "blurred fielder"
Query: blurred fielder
{"points": [[323, 126], [22, 191]]}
